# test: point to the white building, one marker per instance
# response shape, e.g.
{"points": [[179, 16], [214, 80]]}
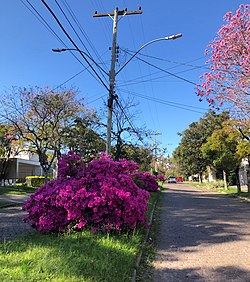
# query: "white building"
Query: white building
{"points": [[22, 165]]}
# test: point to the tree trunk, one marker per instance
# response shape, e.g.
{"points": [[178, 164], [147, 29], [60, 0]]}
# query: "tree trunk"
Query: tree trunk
{"points": [[225, 179], [238, 180], [248, 177], [200, 177]]}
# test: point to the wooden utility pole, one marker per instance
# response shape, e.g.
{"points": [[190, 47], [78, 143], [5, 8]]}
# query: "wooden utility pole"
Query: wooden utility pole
{"points": [[112, 73], [155, 149]]}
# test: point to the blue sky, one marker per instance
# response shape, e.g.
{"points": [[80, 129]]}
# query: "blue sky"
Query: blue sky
{"points": [[27, 60]]}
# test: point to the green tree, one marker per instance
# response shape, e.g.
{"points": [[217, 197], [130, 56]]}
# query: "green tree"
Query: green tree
{"points": [[188, 154], [221, 150], [83, 139], [40, 117], [141, 155], [8, 147]]}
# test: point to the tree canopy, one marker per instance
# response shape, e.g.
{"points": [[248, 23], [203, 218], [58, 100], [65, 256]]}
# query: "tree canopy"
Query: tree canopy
{"points": [[227, 83], [188, 154], [40, 118]]}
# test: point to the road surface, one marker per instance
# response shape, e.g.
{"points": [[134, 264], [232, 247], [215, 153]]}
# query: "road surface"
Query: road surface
{"points": [[203, 236]]}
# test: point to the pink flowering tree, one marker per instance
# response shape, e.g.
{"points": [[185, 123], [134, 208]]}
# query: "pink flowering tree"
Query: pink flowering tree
{"points": [[102, 196], [227, 84]]}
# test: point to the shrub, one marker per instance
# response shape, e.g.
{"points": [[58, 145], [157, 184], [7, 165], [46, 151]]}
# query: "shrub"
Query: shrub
{"points": [[70, 165], [161, 177], [146, 181], [35, 181], [216, 184], [101, 196]]}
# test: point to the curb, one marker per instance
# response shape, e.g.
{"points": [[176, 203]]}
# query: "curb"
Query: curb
{"points": [[138, 258]]}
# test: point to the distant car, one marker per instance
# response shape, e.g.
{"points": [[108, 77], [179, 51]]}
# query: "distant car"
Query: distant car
{"points": [[179, 179], [171, 179]]}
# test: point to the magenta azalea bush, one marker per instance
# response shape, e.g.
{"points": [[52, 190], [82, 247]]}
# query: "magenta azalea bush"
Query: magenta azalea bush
{"points": [[161, 177], [101, 196], [145, 181], [70, 165]]}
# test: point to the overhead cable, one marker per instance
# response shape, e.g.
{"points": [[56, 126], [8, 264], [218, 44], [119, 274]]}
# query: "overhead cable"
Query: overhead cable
{"points": [[71, 40], [163, 70], [164, 102]]}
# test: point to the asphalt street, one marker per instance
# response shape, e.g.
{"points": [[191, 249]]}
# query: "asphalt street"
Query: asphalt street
{"points": [[203, 236]]}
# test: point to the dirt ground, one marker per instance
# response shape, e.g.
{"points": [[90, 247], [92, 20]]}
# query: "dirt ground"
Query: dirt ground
{"points": [[203, 236]]}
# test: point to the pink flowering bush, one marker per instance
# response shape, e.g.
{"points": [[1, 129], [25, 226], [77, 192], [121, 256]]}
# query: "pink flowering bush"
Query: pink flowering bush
{"points": [[70, 165], [146, 181], [102, 196], [161, 177]]}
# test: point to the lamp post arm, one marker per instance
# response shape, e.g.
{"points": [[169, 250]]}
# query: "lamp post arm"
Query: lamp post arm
{"points": [[58, 50], [148, 43]]}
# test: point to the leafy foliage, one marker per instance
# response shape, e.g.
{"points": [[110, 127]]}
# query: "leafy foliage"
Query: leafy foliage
{"points": [[221, 148], [8, 147], [188, 155], [40, 118]]}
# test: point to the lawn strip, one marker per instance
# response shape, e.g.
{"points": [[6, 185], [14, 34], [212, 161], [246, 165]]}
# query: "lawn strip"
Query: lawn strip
{"points": [[76, 257], [16, 190], [81, 256]]}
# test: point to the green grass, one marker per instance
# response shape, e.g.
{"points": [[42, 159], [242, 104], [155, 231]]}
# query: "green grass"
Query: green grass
{"points": [[17, 190], [75, 257], [231, 191], [145, 269]]}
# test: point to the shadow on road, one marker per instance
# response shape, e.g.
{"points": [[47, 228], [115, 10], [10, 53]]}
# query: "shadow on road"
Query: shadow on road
{"points": [[203, 237]]}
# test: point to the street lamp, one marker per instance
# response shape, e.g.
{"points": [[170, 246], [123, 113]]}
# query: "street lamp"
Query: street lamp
{"points": [[59, 50], [112, 74], [173, 37]]}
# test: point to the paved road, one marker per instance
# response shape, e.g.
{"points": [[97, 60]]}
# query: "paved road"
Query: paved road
{"points": [[11, 223], [203, 237]]}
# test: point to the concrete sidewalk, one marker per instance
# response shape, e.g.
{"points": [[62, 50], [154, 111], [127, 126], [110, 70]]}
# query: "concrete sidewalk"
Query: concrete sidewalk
{"points": [[19, 199], [11, 224]]}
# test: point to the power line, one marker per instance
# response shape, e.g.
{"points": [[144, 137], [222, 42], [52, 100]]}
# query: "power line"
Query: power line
{"points": [[72, 77], [134, 81], [71, 40], [70, 11], [34, 11], [169, 61], [164, 102], [163, 70], [72, 27]]}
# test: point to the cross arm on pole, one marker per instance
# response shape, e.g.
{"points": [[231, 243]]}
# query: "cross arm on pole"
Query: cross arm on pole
{"points": [[120, 13]]}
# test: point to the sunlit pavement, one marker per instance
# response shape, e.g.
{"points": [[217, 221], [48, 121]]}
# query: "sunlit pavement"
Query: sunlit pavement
{"points": [[203, 237]]}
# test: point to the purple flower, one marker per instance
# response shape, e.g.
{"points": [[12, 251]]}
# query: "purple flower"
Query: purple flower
{"points": [[101, 196]]}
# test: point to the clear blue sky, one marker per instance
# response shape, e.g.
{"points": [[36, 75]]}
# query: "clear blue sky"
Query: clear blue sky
{"points": [[27, 60]]}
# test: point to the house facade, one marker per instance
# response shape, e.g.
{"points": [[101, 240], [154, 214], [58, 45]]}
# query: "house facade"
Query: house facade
{"points": [[22, 165], [243, 172]]}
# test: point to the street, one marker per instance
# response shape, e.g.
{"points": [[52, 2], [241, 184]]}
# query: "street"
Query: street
{"points": [[203, 236]]}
